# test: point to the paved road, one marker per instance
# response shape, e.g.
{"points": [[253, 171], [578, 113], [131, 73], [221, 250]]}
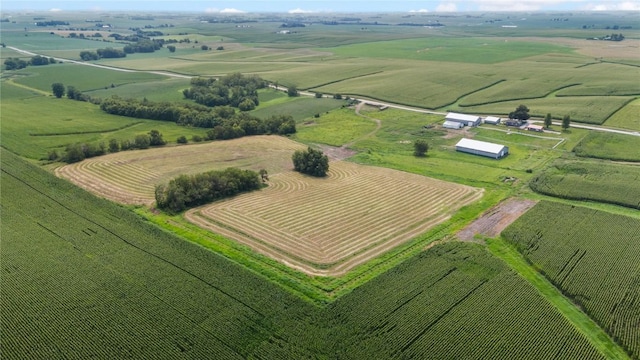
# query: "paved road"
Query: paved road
{"points": [[306, 93]]}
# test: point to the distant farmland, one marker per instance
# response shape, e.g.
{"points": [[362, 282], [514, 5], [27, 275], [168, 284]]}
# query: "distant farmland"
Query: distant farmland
{"points": [[328, 226]]}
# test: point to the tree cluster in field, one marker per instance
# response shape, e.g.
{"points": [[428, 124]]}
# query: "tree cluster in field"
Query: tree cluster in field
{"points": [[235, 90], [17, 63], [80, 151], [311, 162], [420, 148], [188, 191]]}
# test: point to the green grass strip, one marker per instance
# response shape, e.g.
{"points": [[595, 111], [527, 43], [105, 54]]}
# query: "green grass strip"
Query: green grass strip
{"points": [[594, 334]]}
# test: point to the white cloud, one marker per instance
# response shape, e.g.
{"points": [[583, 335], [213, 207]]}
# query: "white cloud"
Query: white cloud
{"points": [[211, 10], [447, 7], [55, 10], [419, 11], [231, 11], [625, 5], [299, 11], [522, 5]]}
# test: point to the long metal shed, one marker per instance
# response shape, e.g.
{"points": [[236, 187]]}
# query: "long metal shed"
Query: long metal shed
{"points": [[482, 148], [466, 120]]}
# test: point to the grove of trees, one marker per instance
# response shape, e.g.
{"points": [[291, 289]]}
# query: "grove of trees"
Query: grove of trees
{"points": [[187, 191], [521, 113], [223, 120], [235, 90], [311, 162]]}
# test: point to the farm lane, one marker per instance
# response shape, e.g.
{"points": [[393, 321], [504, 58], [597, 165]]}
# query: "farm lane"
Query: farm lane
{"points": [[306, 93]]}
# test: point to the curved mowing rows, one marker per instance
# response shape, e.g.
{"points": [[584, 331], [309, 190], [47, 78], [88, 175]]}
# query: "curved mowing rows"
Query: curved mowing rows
{"points": [[113, 179], [131, 176], [332, 224]]}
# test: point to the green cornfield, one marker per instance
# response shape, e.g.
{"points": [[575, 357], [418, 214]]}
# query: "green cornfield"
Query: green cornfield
{"points": [[592, 256]]}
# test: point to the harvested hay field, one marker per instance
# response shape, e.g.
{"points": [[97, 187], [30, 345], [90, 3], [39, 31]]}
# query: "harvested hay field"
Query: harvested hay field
{"points": [[130, 177], [321, 226], [327, 226]]}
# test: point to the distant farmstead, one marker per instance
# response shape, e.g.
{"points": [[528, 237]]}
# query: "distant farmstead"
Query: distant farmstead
{"points": [[482, 148], [464, 119]]}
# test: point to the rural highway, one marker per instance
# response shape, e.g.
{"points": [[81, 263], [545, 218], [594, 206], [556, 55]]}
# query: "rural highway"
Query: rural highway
{"points": [[306, 93]]}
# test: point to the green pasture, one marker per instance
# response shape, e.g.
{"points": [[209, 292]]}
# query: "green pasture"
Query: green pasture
{"points": [[299, 108], [627, 117], [164, 89], [335, 128], [610, 146], [82, 77], [31, 126], [472, 50]]}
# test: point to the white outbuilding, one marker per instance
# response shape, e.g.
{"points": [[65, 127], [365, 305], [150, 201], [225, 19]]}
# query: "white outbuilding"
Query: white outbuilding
{"points": [[482, 148], [452, 125], [493, 120], [464, 119]]}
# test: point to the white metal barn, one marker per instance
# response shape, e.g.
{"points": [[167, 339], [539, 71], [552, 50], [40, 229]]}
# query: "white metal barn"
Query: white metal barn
{"points": [[452, 125], [482, 148], [464, 119], [493, 120]]}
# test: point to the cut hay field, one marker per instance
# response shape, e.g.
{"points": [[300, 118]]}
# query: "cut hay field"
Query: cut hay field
{"points": [[131, 176], [320, 226], [330, 225]]}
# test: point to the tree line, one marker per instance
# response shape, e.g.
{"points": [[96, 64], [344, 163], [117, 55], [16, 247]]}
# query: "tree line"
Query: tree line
{"points": [[80, 151], [223, 120], [188, 191], [17, 63]]}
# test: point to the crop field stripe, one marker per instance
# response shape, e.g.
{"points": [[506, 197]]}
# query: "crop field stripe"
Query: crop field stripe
{"points": [[195, 276], [596, 336]]}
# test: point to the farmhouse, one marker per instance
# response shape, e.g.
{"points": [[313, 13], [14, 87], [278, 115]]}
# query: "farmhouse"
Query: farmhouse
{"points": [[482, 148], [452, 125], [493, 120], [464, 119]]}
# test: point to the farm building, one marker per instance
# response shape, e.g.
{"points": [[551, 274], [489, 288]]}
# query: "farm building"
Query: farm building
{"points": [[464, 119], [483, 148], [537, 128], [493, 120], [452, 125]]}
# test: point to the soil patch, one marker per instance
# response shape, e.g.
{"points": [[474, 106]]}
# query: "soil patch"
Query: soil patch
{"points": [[496, 219]]}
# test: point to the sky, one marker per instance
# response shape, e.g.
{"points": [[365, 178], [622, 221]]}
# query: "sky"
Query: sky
{"points": [[319, 6]]}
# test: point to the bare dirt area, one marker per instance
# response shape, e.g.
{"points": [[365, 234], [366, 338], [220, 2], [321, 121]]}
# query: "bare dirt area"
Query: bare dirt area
{"points": [[496, 219]]}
